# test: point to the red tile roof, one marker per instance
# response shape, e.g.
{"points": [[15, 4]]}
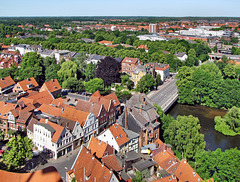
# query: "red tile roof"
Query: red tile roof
{"points": [[88, 166], [142, 47], [99, 147], [75, 115], [50, 110], [119, 134], [167, 179], [6, 82], [24, 83], [47, 174], [5, 108], [59, 102], [58, 129], [113, 97], [167, 161], [42, 97], [86, 106], [105, 42], [52, 85], [130, 60], [185, 172], [111, 162]]}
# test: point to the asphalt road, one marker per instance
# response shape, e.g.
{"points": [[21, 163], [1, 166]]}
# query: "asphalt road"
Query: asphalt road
{"points": [[164, 95], [62, 164], [78, 96]]}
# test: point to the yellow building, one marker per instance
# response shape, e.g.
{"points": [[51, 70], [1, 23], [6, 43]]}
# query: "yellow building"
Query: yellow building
{"points": [[137, 74]]}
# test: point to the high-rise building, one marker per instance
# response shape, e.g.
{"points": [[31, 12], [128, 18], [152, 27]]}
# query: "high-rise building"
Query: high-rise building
{"points": [[153, 28]]}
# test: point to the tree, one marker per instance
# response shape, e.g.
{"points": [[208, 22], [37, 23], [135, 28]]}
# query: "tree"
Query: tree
{"points": [[183, 134], [138, 177], [145, 83], [94, 85], [21, 148], [80, 61], [89, 72], [230, 71], [222, 166], [108, 70], [51, 71], [1, 135], [68, 70], [73, 84], [158, 79], [230, 123], [32, 66]]}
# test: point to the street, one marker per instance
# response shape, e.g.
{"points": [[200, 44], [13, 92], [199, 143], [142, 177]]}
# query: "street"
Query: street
{"points": [[62, 164]]}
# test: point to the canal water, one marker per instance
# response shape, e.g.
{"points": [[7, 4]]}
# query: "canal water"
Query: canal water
{"points": [[206, 116]]}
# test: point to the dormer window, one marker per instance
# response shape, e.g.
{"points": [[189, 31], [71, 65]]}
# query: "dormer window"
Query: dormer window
{"points": [[120, 136], [30, 85], [116, 137]]}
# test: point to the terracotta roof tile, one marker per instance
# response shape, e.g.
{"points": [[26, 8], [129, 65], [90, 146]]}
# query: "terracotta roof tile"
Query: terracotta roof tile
{"points": [[23, 117], [75, 115], [167, 179], [99, 147], [142, 47], [59, 102], [185, 172], [167, 161], [119, 134], [46, 174], [130, 60], [96, 94], [86, 106], [88, 164], [58, 129], [50, 110], [42, 97], [111, 162], [52, 85], [6, 82], [24, 84], [5, 108], [113, 97]]}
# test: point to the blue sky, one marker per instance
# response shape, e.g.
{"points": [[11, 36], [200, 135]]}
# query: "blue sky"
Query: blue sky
{"points": [[120, 8]]}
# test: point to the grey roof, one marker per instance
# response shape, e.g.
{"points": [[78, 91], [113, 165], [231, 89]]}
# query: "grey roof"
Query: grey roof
{"points": [[66, 123], [96, 57], [143, 164], [31, 123], [124, 176], [133, 124], [118, 59], [47, 126], [151, 146], [131, 135], [179, 54], [132, 155]]}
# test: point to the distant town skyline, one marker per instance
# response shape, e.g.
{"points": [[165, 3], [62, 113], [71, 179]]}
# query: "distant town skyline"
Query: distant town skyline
{"points": [[174, 8]]}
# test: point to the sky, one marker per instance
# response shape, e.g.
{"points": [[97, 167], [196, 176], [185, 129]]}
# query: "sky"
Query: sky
{"points": [[174, 8]]}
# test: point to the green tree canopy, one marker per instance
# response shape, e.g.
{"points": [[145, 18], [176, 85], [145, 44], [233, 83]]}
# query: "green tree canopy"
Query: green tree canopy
{"points": [[183, 134], [21, 148], [230, 123], [145, 83], [94, 85], [68, 69]]}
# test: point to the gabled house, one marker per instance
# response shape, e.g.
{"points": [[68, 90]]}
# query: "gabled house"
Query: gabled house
{"points": [[111, 162], [128, 65], [137, 74], [181, 56], [6, 84], [100, 148], [87, 168], [52, 137], [4, 110], [87, 121], [143, 47], [25, 85], [9, 58], [118, 139], [30, 128], [185, 172], [74, 128], [23, 120], [38, 99], [106, 101], [53, 86], [166, 161], [142, 118], [159, 68]]}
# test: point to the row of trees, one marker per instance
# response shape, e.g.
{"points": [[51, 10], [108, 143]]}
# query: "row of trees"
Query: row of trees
{"points": [[207, 85]]}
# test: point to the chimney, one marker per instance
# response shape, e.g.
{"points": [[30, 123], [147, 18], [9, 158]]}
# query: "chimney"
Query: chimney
{"points": [[126, 126], [140, 109], [141, 140], [146, 137]]}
